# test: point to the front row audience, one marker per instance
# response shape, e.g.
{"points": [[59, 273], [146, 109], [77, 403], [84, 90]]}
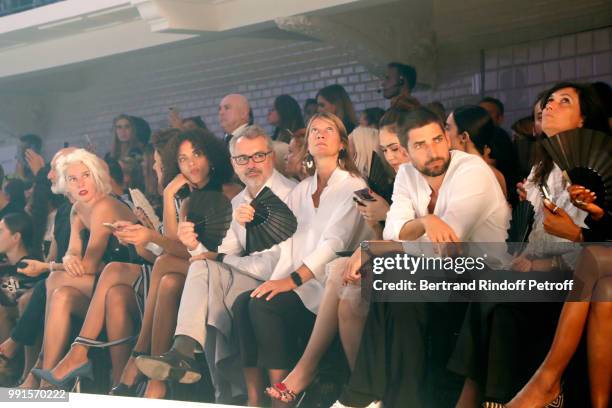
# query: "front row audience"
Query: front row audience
{"points": [[157, 297]]}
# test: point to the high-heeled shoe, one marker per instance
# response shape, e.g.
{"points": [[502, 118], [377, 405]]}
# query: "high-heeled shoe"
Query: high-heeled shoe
{"points": [[66, 382], [135, 390]]}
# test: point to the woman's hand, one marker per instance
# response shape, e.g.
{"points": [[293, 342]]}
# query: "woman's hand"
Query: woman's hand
{"points": [[34, 268], [244, 214], [274, 287], [187, 235], [584, 199], [174, 119], [520, 189], [130, 233], [73, 265], [521, 264], [352, 271], [558, 223], [175, 185], [373, 211]]}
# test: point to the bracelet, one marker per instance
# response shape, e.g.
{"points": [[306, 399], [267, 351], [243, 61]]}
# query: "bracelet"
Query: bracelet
{"points": [[296, 278], [51, 265], [220, 257]]}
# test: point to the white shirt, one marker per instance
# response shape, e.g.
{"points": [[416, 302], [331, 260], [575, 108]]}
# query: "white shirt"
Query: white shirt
{"points": [[334, 226], [470, 200], [258, 264]]}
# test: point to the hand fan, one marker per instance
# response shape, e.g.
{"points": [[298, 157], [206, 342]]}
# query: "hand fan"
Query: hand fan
{"points": [[521, 222], [586, 157], [211, 212], [140, 201], [272, 224], [381, 177]]}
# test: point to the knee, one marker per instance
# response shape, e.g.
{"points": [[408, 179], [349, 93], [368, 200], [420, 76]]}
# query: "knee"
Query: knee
{"points": [[23, 301], [63, 297], [259, 308], [111, 272], [346, 310], [603, 291], [119, 296], [171, 283], [54, 280], [161, 265]]}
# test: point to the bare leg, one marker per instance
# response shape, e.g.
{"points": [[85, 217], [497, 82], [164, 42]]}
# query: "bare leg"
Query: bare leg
{"points": [[166, 311], [545, 384], [113, 274], [323, 333], [351, 319], [275, 377], [65, 302], [121, 314], [470, 395], [254, 378], [599, 331], [163, 265]]}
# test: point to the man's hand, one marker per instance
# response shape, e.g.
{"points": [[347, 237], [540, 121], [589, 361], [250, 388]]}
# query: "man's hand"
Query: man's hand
{"points": [[274, 287], [244, 214], [187, 235], [34, 160], [437, 230]]}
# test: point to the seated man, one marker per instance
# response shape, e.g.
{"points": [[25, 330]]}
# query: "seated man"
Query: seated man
{"points": [[441, 196], [215, 279]]}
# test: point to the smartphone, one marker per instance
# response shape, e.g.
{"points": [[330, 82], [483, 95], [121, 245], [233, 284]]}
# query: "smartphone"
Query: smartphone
{"points": [[359, 203], [545, 192], [21, 264], [364, 194], [109, 225]]}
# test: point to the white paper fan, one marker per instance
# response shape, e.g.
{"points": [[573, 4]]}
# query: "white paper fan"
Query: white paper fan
{"points": [[140, 201]]}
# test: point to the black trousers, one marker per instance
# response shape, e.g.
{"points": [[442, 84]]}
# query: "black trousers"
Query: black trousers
{"points": [[403, 354], [272, 334], [32, 322]]}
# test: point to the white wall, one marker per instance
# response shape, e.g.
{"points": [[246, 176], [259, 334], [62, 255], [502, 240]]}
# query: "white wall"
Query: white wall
{"points": [[195, 77]]}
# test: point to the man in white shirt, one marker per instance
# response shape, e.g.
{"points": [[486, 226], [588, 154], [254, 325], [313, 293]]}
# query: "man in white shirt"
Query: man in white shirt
{"points": [[441, 196], [233, 115], [216, 278]]}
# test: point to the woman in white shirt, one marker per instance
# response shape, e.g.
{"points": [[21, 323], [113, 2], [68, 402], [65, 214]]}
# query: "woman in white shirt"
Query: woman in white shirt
{"points": [[280, 313], [342, 308]]}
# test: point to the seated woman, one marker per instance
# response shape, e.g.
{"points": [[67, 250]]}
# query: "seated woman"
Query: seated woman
{"points": [[70, 284], [294, 160], [16, 231], [280, 313], [203, 163], [590, 308], [490, 352], [342, 309], [472, 130]]}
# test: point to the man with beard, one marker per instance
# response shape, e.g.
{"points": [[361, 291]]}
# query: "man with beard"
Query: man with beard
{"points": [[216, 278], [441, 196]]}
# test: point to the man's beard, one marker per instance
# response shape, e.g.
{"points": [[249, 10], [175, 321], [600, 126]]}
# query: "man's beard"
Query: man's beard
{"points": [[435, 173]]}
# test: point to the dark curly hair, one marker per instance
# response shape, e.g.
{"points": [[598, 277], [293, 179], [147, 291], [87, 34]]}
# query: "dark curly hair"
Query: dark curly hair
{"points": [[221, 170]]}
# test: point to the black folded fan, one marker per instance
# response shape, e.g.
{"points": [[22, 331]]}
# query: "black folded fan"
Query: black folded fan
{"points": [[521, 222], [381, 177], [272, 224], [586, 156], [211, 212]]}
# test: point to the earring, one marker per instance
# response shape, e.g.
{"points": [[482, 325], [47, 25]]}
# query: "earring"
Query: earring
{"points": [[341, 156], [309, 161]]}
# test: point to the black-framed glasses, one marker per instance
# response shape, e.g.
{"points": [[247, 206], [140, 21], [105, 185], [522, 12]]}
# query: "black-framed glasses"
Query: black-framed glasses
{"points": [[257, 158]]}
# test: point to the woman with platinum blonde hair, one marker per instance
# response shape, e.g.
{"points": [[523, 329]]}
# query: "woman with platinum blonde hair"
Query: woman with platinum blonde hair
{"points": [[84, 177]]}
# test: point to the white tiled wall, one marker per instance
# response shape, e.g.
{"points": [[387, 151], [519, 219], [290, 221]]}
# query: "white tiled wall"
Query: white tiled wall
{"points": [[194, 81]]}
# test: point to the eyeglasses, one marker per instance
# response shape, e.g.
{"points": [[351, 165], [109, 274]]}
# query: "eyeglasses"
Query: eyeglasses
{"points": [[257, 158]]}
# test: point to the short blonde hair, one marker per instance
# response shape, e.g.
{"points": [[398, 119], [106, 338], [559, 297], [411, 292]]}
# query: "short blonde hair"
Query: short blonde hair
{"points": [[97, 168]]}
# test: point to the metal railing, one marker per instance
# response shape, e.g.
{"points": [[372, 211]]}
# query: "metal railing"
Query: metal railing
{"points": [[17, 6]]}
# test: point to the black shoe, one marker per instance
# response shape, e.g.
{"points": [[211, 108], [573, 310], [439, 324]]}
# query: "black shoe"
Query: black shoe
{"points": [[172, 366]]}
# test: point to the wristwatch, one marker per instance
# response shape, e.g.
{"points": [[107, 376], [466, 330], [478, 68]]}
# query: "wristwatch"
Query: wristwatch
{"points": [[296, 278]]}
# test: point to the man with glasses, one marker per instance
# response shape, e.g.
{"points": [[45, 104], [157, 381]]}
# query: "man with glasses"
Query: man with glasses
{"points": [[215, 279]]}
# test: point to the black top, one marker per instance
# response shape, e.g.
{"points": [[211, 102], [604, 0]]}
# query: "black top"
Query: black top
{"points": [[11, 208], [598, 231], [61, 229]]}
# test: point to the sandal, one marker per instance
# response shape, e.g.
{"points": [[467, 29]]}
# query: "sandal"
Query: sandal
{"points": [[286, 395]]}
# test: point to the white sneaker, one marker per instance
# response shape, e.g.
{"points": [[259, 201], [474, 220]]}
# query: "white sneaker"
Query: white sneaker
{"points": [[375, 404]]}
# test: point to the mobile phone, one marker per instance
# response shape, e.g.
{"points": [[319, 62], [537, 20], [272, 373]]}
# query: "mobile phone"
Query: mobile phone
{"points": [[109, 225], [21, 265], [355, 199], [364, 194], [545, 192]]}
